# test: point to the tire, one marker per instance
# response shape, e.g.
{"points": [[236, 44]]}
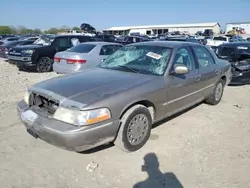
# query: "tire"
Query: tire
{"points": [[217, 94], [44, 64], [126, 131]]}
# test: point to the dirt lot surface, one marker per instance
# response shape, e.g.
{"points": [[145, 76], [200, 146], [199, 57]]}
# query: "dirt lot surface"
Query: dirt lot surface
{"points": [[205, 147]]}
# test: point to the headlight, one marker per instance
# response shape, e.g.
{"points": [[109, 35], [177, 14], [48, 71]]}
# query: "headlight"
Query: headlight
{"points": [[80, 118], [28, 51], [26, 97]]}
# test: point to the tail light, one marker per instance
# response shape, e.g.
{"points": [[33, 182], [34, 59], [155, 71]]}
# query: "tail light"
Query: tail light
{"points": [[74, 61], [5, 49], [57, 59]]}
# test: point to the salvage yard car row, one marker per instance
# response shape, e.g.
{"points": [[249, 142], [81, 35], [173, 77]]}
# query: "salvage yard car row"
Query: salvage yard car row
{"points": [[118, 92]]}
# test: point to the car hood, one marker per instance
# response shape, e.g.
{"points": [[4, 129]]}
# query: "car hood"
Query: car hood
{"points": [[90, 85]]}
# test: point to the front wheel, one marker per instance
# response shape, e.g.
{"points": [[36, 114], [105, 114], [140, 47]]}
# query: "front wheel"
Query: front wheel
{"points": [[216, 96], [135, 129], [44, 64]]}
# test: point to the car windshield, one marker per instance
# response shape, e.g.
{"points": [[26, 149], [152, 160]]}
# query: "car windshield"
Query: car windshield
{"points": [[144, 59], [81, 48]]}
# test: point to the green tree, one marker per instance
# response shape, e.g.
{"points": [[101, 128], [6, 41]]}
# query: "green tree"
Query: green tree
{"points": [[37, 31], [5, 30], [76, 28], [21, 30], [52, 31]]}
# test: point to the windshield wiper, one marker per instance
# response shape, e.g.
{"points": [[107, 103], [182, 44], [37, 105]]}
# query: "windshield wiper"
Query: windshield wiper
{"points": [[128, 68]]}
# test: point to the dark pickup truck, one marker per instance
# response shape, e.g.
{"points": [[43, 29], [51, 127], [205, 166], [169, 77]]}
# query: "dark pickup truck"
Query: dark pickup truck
{"points": [[40, 57]]}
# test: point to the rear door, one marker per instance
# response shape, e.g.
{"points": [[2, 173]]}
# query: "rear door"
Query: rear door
{"points": [[183, 91], [61, 44], [208, 71]]}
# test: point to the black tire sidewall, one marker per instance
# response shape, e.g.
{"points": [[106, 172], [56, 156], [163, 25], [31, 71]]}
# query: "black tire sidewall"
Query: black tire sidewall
{"points": [[141, 110], [38, 64]]}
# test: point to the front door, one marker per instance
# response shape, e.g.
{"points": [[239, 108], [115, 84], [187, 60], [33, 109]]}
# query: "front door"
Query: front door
{"points": [[182, 90]]}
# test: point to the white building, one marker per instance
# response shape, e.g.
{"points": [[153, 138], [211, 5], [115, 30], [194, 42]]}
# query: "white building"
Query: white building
{"points": [[238, 26], [160, 29]]}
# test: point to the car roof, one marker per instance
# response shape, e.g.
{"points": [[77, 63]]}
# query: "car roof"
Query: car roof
{"points": [[235, 44], [168, 44], [101, 43]]}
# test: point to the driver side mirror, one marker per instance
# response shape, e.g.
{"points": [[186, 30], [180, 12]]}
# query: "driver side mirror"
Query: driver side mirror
{"points": [[180, 69]]}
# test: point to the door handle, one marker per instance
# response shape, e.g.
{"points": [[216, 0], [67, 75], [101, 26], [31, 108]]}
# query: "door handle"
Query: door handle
{"points": [[197, 77]]}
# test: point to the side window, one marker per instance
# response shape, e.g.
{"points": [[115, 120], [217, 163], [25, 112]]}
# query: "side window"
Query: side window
{"points": [[62, 42], [184, 56], [203, 56], [108, 50], [11, 39], [75, 41], [226, 51]]}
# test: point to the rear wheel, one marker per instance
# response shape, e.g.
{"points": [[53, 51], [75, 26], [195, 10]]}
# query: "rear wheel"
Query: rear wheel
{"points": [[216, 96], [135, 129], [44, 64]]}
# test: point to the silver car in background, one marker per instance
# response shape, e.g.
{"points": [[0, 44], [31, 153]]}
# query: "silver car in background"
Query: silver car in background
{"points": [[83, 56]]}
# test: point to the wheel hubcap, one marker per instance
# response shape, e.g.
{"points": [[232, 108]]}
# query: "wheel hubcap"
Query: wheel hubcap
{"points": [[137, 129], [218, 91], [45, 64]]}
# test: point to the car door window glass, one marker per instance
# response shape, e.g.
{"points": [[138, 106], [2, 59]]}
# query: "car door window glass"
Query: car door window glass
{"points": [[183, 56], [62, 42], [107, 50], [204, 58]]}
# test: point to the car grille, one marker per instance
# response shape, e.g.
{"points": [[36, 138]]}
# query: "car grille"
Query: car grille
{"points": [[42, 105]]}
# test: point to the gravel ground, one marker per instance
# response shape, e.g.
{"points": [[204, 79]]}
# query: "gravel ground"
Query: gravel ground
{"points": [[204, 147]]}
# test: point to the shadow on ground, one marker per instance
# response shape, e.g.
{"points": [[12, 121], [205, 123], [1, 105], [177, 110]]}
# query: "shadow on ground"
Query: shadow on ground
{"points": [[157, 179]]}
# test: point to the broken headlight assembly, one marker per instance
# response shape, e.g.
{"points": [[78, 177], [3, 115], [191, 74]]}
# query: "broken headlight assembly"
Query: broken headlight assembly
{"points": [[81, 118]]}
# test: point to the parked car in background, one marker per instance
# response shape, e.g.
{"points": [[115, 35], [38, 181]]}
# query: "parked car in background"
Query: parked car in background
{"points": [[4, 49], [31, 38], [8, 39], [39, 57], [106, 37], [185, 39], [83, 56], [208, 32], [130, 39], [118, 101], [218, 40], [238, 54]]}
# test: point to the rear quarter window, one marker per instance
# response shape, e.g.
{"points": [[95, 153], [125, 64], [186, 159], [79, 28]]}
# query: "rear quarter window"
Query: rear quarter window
{"points": [[82, 48]]}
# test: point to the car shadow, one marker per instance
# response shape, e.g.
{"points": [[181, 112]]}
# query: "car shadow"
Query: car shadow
{"points": [[109, 145], [98, 148], [155, 177]]}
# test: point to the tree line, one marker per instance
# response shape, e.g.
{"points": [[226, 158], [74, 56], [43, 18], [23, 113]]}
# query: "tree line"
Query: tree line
{"points": [[5, 30]]}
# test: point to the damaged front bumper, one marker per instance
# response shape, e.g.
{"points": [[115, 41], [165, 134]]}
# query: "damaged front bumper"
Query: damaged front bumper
{"points": [[241, 74], [65, 135]]}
